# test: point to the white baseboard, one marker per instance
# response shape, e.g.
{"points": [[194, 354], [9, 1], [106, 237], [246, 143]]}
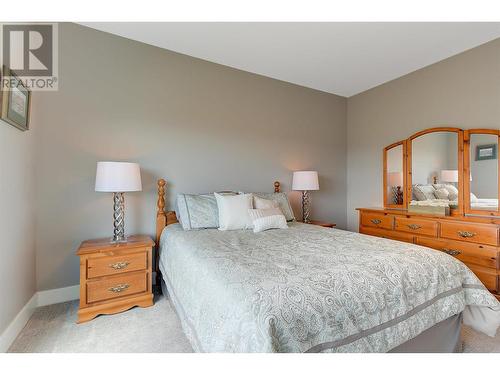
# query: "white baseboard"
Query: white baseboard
{"points": [[9, 335], [52, 296], [41, 298]]}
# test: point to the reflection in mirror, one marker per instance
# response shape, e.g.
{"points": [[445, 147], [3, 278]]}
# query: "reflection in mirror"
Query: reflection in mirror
{"points": [[484, 172], [394, 176], [435, 169]]}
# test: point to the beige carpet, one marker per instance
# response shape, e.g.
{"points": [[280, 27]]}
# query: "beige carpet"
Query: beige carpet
{"points": [[52, 329]]}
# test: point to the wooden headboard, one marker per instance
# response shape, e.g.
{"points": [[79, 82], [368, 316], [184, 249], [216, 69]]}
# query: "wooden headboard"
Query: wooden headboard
{"points": [[164, 218]]}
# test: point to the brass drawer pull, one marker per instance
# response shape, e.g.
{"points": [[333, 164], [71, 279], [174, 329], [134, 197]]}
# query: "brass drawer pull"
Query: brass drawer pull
{"points": [[119, 288], [376, 221], [119, 265], [465, 234], [414, 226], [452, 252]]}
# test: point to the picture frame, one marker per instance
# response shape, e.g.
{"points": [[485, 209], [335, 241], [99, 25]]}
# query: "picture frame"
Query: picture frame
{"points": [[15, 101], [486, 152]]}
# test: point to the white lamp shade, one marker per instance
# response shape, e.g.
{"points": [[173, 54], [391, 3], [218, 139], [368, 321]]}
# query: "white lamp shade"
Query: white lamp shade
{"points": [[449, 175], [305, 180], [395, 178], [117, 177]]}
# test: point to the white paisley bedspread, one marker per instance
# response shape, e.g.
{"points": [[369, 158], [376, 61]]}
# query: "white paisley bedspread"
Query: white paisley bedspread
{"points": [[311, 289]]}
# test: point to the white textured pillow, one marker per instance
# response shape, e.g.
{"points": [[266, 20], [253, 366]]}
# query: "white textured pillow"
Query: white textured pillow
{"points": [[442, 193], [261, 203], [268, 218], [233, 211]]}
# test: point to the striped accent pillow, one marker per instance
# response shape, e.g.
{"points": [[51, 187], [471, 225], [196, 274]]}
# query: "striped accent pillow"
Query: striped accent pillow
{"points": [[268, 218]]}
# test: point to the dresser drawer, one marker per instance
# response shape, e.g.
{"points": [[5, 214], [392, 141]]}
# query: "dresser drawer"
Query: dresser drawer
{"points": [[393, 235], [469, 253], [117, 286], [377, 220], [487, 276], [113, 265], [480, 233], [417, 226]]}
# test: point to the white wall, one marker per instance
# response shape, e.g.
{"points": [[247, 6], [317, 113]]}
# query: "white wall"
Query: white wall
{"points": [[462, 91], [17, 221]]}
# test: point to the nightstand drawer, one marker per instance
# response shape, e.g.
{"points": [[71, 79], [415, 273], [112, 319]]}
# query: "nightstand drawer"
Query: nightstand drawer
{"points": [[480, 233], [113, 265], [114, 287]]}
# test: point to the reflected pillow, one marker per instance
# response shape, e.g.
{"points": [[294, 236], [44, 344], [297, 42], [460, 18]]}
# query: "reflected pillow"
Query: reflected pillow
{"points": [[424, 192], [451, 189], [442, 194]]}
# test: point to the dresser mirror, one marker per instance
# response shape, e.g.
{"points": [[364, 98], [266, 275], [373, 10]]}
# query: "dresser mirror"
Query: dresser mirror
{"points": [[435, 163], [481, 154], [394, 175]]}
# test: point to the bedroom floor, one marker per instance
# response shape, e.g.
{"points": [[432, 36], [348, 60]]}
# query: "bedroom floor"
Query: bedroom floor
{"points": [[52, 329]]}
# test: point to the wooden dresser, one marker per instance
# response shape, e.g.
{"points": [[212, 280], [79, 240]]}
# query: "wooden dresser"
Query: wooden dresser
{"points": [[114, 277], [474, 241]]}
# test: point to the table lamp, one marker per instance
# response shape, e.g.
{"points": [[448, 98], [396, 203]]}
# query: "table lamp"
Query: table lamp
{"points": [[305, 181], [448, 175], [118, 178]]}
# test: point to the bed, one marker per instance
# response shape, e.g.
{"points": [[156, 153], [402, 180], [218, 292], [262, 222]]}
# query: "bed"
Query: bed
{"points": [[314, 289]]}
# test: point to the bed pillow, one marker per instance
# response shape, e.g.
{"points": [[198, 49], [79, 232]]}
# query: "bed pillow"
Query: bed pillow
{"points": [[233, 211], [424, 192], [267, 218], [473, 198], [442, 193], [282, 200], [261, 203], [197, 211]]}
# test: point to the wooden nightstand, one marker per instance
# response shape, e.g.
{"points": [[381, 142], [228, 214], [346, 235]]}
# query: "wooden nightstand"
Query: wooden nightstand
{"points": [[114, 277], [322, 224]]}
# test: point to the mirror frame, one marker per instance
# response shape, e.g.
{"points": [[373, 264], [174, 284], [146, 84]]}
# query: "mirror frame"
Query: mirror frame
{"points": [[467, 155], [460, 159], [404, 156]]}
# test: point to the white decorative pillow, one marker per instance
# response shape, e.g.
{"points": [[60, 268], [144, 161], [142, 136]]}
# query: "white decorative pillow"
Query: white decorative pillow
{"points": [[261, 203], [442, 193], [267, 218], [473, 198], [233, 211]]}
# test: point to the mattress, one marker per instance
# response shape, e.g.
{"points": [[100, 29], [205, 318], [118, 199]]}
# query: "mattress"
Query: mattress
{"points": [[311, 289]]}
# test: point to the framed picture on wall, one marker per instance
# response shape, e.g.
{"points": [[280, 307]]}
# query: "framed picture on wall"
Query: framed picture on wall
{"points": [[15, 101], [486, 152]]}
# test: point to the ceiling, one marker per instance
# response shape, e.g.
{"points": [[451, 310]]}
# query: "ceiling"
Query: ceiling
{"points": [[341, 58]]}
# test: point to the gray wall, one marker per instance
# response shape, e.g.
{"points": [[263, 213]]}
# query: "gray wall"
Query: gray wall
{"points": [[17, 221], [462, 91], [199, 125]]}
